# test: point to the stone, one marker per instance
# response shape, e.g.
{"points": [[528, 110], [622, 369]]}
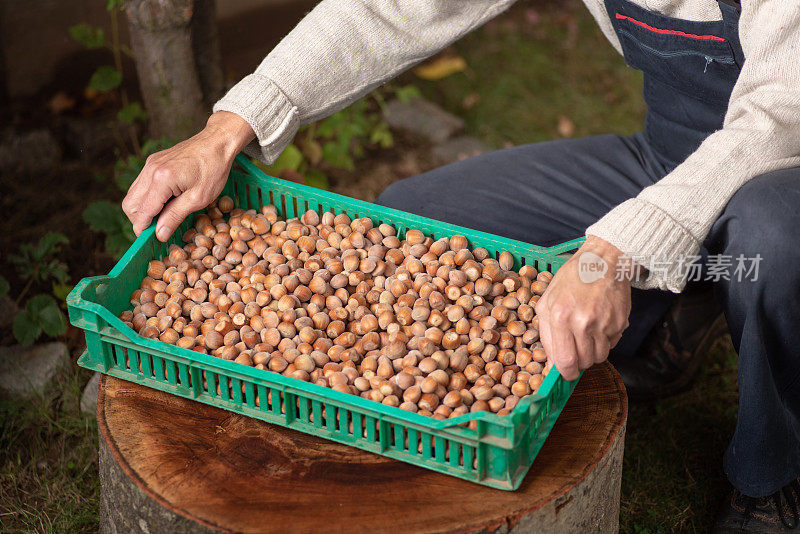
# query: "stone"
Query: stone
{"points": [[29, 152], [457, 149], [8, 310], [89, 397], [28, 371], [422, 118]]}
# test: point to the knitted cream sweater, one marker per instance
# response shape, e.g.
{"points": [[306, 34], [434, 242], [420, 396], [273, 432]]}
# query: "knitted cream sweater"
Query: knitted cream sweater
{"points": [[345, 48]]}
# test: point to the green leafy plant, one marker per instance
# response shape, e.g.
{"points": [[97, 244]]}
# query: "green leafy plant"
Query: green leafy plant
{"points": [[41, 315], [89, 36], [109, 77], [133, 112], [108, 218], [340, 140], [105, 78], [38, 264]]}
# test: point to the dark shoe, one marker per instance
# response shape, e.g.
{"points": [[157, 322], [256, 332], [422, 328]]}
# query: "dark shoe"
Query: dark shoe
{"points": [[775, 513], [671, 354]]}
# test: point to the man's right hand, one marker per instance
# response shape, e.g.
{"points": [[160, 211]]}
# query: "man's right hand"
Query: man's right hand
{"points": [[187, 177]]}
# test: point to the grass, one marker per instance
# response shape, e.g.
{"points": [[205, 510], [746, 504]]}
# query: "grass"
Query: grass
{"points": [[533, 74], [672, 479], [525, 78], [48, 461]]}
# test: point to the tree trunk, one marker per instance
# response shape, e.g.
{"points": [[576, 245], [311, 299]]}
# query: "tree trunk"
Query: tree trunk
{"points": [[207, 54], [165, 64], [3, 81], [169, 464]]}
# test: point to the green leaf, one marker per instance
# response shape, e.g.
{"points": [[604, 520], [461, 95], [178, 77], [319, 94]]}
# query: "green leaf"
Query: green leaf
{"points": [[26, 329], [89, 36], [291, 158], [57, 270], [61, 290], [50, 244], [381, 135], [51, 319], [407, 93], [108, 218], [4, 287], [111, 4], [105, 78], [38, 303], [131, 113], [101, 215]]}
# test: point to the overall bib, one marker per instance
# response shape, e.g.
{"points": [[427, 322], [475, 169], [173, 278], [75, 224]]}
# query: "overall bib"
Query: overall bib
{"points": [[547, 193], [689, 69]]}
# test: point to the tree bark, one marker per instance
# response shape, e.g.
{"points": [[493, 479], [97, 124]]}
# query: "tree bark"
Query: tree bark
{"points": [[207, 54], [165, 64]]}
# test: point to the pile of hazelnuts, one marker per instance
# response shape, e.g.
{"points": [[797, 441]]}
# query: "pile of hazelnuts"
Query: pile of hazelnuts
{"points": [[430, 326]]}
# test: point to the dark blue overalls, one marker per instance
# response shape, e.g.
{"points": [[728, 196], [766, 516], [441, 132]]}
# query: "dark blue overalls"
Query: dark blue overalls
{"points": [[547, 193]]}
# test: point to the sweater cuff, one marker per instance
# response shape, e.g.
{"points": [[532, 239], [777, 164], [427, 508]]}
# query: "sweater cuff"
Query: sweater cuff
{"points": [[652, 239], [262, 104]]}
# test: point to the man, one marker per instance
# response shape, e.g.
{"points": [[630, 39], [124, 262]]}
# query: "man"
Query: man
{"points": [[715, 170]]}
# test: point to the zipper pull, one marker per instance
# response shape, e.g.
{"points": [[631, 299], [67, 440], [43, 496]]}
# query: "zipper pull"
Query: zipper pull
{"points": [[709, 60]]}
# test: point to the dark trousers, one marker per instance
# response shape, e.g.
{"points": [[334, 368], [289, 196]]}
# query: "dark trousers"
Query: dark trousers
{"points": [[547, 193]]}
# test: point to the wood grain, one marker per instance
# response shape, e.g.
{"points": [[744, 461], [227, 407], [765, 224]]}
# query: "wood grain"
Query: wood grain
{"points": [[224, 471]]}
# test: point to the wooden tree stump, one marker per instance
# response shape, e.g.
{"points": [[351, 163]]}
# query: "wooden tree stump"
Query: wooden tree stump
{"points": [[168, 464]]}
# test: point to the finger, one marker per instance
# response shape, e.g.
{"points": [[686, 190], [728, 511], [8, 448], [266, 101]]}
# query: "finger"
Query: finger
{"points": [[544, 330], [585, 349], [132, 200], [602, 347], [175, 212], [564, 351], [149, 196], [613, 340]]}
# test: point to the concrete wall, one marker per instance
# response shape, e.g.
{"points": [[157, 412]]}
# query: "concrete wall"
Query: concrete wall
{"points": [[36, 49]]}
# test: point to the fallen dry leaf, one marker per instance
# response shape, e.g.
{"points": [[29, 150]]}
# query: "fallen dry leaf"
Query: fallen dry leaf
{"points": [[440, 67], [470, 101], [60, 103], [566, 128]]}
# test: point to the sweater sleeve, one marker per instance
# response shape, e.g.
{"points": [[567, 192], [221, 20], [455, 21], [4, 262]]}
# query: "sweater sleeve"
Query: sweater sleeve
{"points": [[338, 53], [761, 133]]}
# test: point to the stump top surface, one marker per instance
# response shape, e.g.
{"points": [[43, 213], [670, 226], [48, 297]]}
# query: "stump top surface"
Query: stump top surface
{"points": [[236, 473]]}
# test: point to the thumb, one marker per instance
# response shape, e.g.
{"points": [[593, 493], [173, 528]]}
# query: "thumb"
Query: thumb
{"points": [[175, 212]]}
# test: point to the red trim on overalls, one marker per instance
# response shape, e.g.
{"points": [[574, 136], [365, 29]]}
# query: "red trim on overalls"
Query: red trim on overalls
{"points": [[669, 32]]}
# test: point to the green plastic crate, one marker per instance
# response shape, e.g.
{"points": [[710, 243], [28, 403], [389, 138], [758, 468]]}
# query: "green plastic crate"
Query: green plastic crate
{"points": [[497, 453]]}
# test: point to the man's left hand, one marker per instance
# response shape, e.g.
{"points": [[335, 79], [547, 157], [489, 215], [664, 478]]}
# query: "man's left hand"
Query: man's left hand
{"points": [[585, 309]]}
